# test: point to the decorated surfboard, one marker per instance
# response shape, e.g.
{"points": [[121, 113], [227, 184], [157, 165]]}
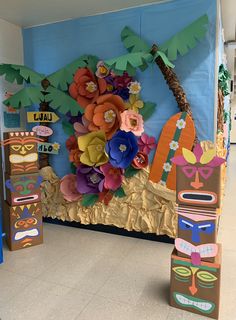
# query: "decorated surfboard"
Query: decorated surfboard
{"points": [[178, 132]]}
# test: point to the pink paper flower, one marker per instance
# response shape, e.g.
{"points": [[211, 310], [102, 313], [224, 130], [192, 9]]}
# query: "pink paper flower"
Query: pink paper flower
{"points": [[132, 121], [113, 176], [68, 188], [146, 143], [81, 128]]}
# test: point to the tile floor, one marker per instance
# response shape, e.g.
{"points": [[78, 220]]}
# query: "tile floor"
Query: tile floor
{"points": [[86, 275]]}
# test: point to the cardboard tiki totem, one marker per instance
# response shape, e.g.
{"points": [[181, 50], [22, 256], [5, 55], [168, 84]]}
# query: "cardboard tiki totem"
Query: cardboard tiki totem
{"points": [[22, 208], [196, 259]]}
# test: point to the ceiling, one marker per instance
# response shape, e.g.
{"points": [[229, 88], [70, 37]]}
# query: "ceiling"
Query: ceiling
{"points": [[27, 13]]}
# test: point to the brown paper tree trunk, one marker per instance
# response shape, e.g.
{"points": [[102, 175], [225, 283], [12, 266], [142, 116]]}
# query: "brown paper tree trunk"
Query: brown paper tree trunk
{"points": [[43, 157], [174, 85]]}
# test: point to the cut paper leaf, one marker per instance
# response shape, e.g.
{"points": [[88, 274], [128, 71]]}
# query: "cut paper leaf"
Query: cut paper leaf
{"points": [[147, 110], [189, 156], [68, 128], [89, 200], [25, 98], [20, 73], [186, 39], [208, 156], [120, 193], [177, 133], [62, 102], [130, 172], [133, 42], [129, 62]]}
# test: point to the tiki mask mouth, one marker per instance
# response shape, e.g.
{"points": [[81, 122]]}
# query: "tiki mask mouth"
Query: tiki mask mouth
{"points": [[207, 250], [195, 303], [26, 199], [27, 233], [198, 197]]}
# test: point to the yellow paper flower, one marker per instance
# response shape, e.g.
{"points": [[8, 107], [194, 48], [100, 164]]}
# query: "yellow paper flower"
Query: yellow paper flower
{"points": [[56, 146], [93, 147], [134, 103]]}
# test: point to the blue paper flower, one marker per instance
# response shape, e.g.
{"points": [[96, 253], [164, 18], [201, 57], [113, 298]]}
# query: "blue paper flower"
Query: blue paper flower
{"points": [[122, 149]]}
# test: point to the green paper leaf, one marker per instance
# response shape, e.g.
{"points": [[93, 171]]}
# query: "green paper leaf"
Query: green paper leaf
{"points": [[120, 193], [89, 200], [62, 102], [130, 172], [73, 168], [11, 74], [133, 42], [164, 59], [29, 75], [129, 62], [25, 98], [186, 39], [68, 128], [147, 110]]}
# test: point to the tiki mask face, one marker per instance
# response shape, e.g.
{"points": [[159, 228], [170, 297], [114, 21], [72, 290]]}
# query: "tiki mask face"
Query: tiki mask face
{"points": [[23, 189], [195, 289], [21, 154], [25, 226], [198, 177]]}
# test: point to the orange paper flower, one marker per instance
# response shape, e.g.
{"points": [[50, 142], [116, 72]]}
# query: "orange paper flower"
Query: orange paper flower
{"points": [[74, 156], [86, 88], [104, 114]]}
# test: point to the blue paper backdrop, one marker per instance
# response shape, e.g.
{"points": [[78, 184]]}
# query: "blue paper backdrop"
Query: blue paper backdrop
{"points": [[50, 47]]}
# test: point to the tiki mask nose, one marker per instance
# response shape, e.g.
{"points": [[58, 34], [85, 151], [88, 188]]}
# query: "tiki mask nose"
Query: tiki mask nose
{"points": [[196, 184], [193, 290], [23, 151]]}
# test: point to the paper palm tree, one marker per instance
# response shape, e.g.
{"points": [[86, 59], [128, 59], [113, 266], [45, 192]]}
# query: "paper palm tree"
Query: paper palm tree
{"points": [[141, 54], [45, 91]]}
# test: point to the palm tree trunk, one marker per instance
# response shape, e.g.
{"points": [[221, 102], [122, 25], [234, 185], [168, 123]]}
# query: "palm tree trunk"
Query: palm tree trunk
{"points": [[174, 85], [43, 157]]}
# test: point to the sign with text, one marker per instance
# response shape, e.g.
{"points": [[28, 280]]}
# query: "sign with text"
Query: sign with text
{"points": [[44, 116], [46, 147]]}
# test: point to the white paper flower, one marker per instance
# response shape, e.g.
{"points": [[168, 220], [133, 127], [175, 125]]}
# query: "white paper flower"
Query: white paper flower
{"points": [[180, 124], [167, 167], [134, 87], [163, 183], [174, 145]]}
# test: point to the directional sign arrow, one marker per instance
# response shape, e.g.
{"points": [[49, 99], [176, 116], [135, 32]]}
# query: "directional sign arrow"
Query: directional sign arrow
{"points": [[44, 116]]}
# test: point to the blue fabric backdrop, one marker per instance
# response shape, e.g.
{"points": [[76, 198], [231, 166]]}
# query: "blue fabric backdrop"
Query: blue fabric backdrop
{"points": [[50, 47]]}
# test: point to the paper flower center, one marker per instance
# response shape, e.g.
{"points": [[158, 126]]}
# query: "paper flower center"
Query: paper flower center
{"points": [[99, 147], [133, 122], [103, 70], [109, 116], [140, 158], [122, 147], [134, 87], [94, 178], [91, 86], [109, 87]]}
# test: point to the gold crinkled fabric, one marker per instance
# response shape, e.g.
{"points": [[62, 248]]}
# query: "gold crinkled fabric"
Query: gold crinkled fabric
{"points": [[147, 207]]}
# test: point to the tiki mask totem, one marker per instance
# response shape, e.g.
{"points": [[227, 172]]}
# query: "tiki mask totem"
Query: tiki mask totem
{"points": [[198, 177], [195, 288], [21, 152], [23, 189], [23, 225]]}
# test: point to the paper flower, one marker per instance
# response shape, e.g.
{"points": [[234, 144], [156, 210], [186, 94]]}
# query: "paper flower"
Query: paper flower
{"points": [[140, 160], [122, 149], [105, 197], [122, 81], [113, 176], [74, 156], [104, 114], [81, 127], [132, 121], [180, 124], [85, 88], [134, 103], [102, 70], [146, 143], [68, 187], [71, 143], [134, 87], [93, 146], [174, 145], [167, 167], [56, 146], [90, 180]]}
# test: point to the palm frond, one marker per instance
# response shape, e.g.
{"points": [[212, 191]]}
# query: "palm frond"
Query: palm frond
{"points": [[25, 98], [133, 42]]}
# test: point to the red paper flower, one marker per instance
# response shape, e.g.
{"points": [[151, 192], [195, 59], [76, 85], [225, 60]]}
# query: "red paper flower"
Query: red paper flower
{"points": [[140, 160], [113, 176], [74, 157], [146, 143], [105, 197], [71, 143], [86, 88]]}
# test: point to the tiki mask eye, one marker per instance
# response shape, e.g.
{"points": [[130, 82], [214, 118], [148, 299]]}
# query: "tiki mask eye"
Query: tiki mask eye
{"points": [[205, 172], [184, 225], [206, 276], [19, 188], [189, 171], [182, 271], [16, 147], [207, 228], [29, 147], [31, 186], [31, 221]]}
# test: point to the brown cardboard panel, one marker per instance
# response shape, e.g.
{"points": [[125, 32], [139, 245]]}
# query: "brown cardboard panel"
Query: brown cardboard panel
{"points": [[23, 189], [196, 288], [21, 152], [203, 191], [23, 225]]}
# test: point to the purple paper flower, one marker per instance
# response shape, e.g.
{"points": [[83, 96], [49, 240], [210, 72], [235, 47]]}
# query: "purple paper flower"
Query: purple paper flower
{"points": [[73, 119], [121, 149], [90, 180]]}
